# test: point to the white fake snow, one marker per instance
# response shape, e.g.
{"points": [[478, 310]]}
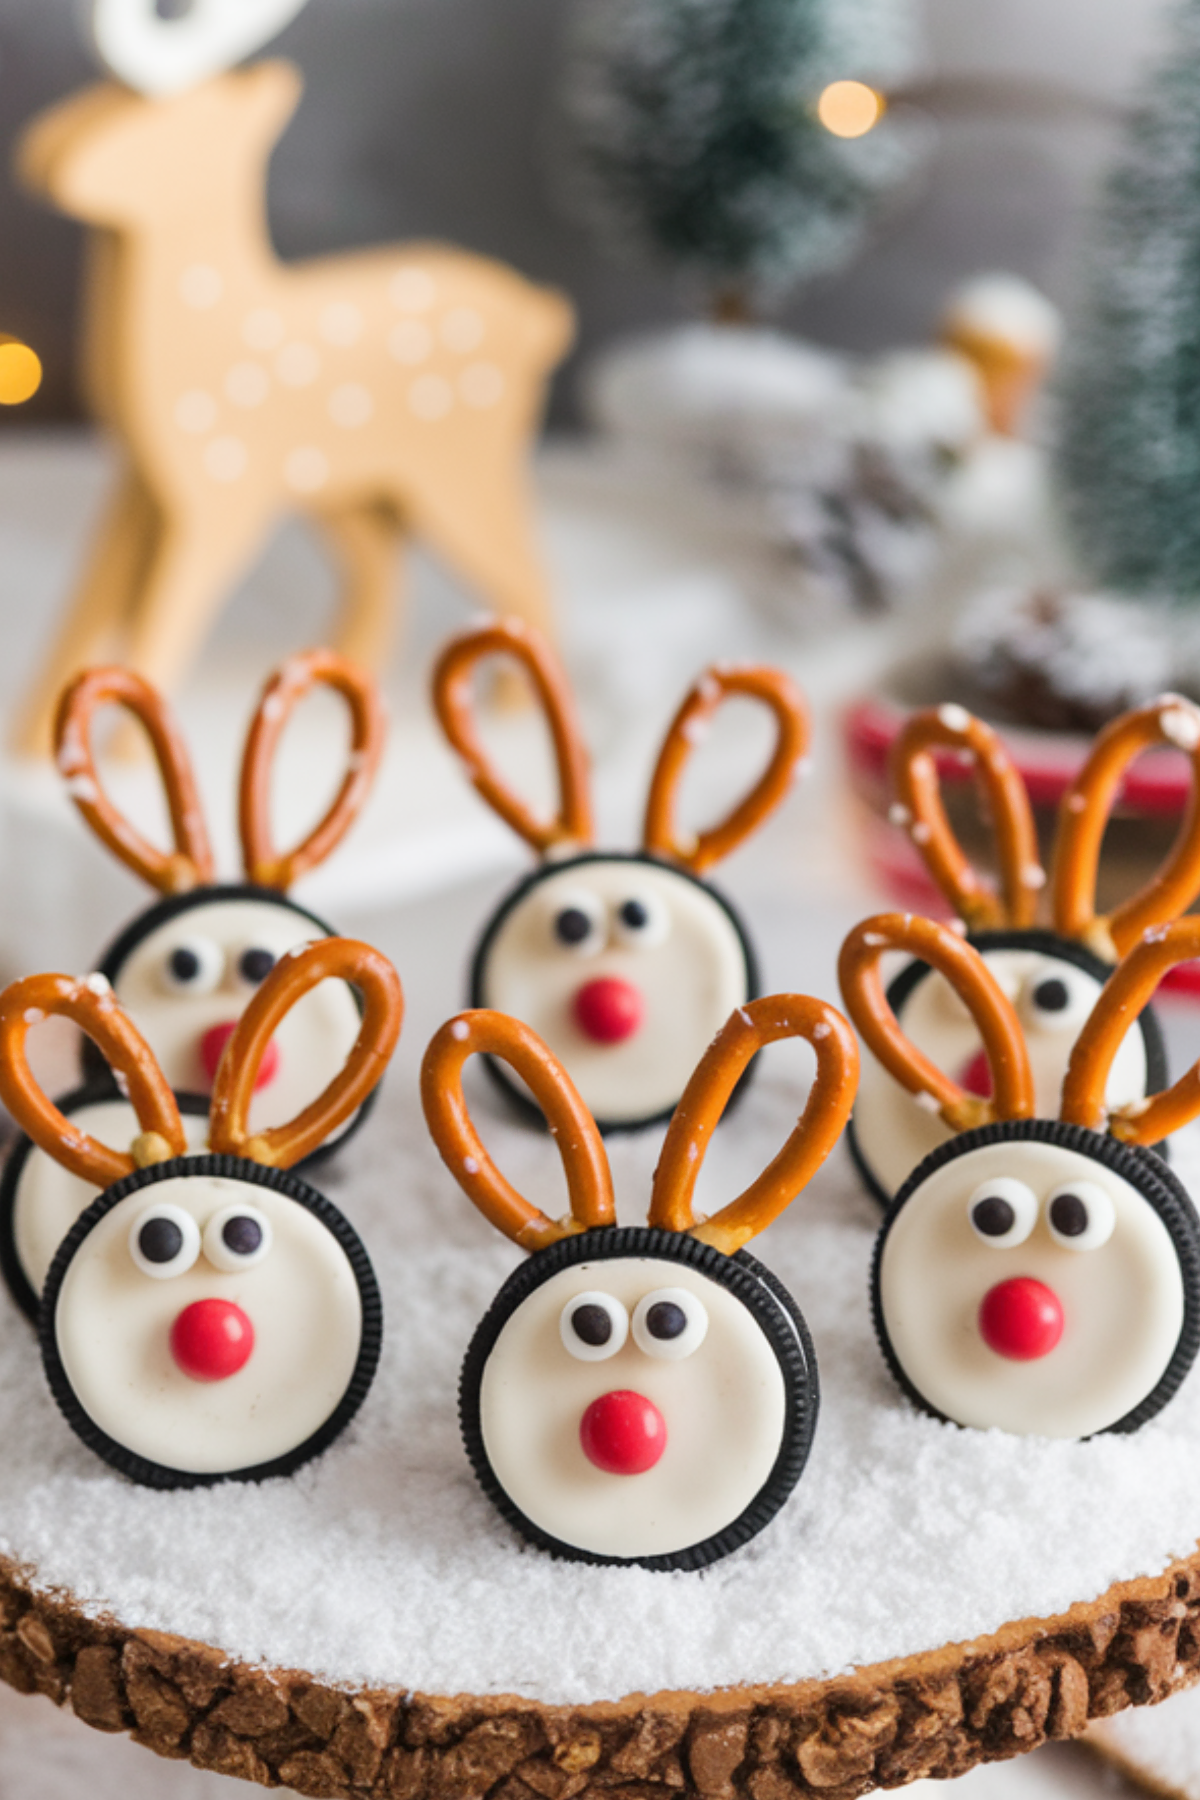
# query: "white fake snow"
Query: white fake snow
{"points": [[383, 1563]]}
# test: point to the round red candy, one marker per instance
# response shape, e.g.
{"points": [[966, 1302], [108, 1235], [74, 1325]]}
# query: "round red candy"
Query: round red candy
{"points": [[608, 1009], [1021, 1319], [212, 1339], [212, 1049], [623, 1433]]}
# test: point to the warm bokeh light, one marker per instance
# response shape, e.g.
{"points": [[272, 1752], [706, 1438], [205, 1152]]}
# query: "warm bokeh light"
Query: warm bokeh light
{"points": [[20, 372], [850, 108]]}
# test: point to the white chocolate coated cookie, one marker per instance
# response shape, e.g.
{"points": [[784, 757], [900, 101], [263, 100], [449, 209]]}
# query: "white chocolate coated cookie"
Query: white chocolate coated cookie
{"points": [[893, 1131], [1028, 1286], [275, 1294], [626, 968], [48, 1199], [633, 1406], [187, 981]]}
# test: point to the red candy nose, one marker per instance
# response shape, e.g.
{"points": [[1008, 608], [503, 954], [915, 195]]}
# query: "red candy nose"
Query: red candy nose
{"points": [[212, 1339], [212, 1048], [976, 1078], [608, 1009], [1021, 1319], [623, 1433]]}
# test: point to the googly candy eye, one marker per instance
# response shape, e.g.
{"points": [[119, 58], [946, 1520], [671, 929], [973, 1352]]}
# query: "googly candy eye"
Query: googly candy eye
{"points": [[641, 921], [194, 966], [669, 1323], [1002, 1212], [238, 1237], [255, 964], [578, 922], [1056, 997], [593, 1326], [1080, 1215], [164, 1241]]}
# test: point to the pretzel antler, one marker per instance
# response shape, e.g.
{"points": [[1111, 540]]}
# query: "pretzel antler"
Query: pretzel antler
{"points": [[1083, 816], [163, 56], [454, 704], [1127, 991], [285, 689], [292, 977], [916, 783], [962, 966], [589, 1180], [90, 1002], [190, 864], [774, 690], [707, 1094]]}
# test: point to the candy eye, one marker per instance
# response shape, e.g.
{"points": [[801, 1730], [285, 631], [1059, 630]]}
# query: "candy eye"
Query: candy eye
{"points": [[593, 1326], [164, 1241], [255, 964], [641, 921], [194, 966], [1057, 997], [238, 1237], [578, 922], [669, 1323], [1081, 1216], [1002, 1212]]}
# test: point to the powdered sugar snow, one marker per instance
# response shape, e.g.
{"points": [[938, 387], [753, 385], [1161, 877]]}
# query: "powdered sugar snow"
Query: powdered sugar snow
{"points": [[382, 1563]]}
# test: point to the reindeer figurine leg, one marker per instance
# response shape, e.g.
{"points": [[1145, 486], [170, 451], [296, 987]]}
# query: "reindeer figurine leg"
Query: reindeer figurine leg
{"points": [[188, 580], [366, 542], [98, 616], [487, 536]]}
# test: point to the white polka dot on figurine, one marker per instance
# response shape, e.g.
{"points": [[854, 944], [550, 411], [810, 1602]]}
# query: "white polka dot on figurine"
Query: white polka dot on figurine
{"points": [[262, 329], [201, 286]]}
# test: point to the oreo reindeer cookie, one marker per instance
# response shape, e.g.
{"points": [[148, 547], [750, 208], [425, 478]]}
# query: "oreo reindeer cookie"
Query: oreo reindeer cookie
{"points": [[640, 1394], [625, 964], [208, 1317], [1053, 976], [186, 967], [1034, 1275]]}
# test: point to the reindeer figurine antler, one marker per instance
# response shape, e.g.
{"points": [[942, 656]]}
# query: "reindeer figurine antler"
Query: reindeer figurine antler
{"points": [[382, 393], [207, 1318], [640, 1394], [1052, 973], [626, 963], [1037, 1274], [187, 966]]}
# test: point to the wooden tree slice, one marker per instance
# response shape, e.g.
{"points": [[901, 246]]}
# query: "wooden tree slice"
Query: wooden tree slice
{"points": [[936, 1714]]}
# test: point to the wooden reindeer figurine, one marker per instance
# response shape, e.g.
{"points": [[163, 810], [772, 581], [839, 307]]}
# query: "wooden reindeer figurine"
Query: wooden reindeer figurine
{"points": [[1051, 974], [626, 962], [208, 1318], [186, 967], [1036, 1273], [641, 1394], [385, 394]]}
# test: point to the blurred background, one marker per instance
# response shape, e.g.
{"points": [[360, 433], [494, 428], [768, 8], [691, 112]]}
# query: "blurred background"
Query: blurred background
{"points": [[431, 117]]}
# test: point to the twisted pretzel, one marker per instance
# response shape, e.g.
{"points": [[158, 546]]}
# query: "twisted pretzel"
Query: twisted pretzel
{"points": [[91, 1003], [776, 691], [454, 704], [296, 972], [707, 1095], [917, 785], [1084, 814], [1127, 991], [962, 966], [190, 863], [286, 687], [585, 1163]]}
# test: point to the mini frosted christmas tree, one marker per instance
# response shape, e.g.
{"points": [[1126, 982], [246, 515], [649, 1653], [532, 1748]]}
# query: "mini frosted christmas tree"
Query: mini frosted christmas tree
{"points": [[1129, 453], [695, 139]]}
